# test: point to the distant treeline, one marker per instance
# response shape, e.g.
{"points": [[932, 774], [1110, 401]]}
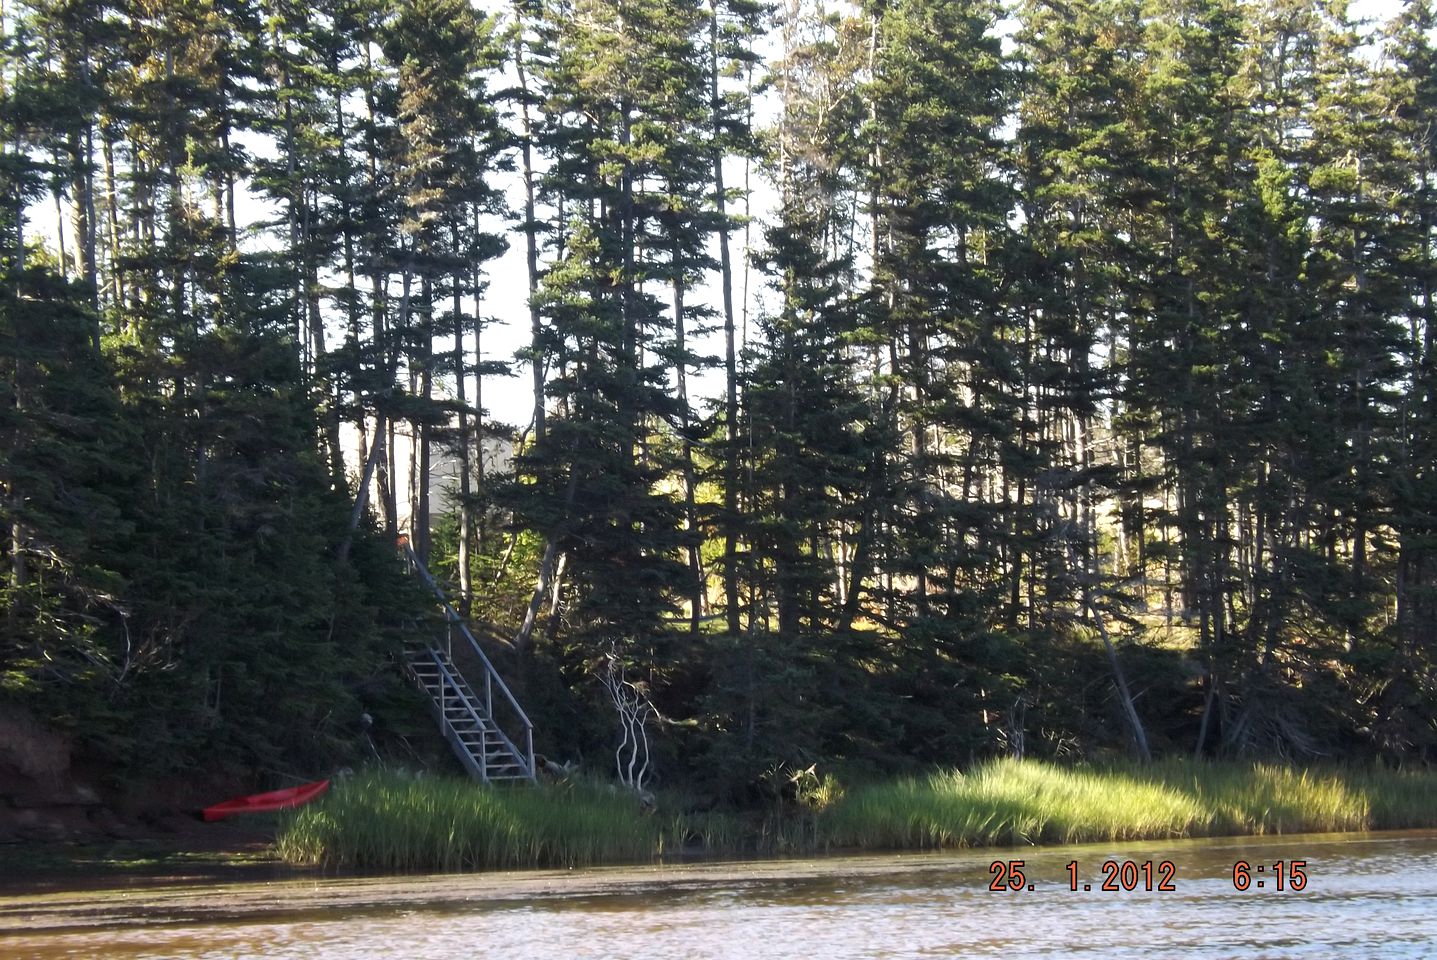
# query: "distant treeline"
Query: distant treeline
{"points": [[1091, 404]]}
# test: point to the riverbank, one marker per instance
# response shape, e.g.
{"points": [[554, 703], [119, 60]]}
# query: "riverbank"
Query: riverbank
{"points": [[231, 853], [389, 823]]}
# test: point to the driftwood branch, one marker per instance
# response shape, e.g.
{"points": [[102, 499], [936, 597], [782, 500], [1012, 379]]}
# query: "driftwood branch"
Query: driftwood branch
{"points": [[631, 757]]}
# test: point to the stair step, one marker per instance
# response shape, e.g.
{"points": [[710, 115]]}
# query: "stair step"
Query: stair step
{"points": [[474, 736]]}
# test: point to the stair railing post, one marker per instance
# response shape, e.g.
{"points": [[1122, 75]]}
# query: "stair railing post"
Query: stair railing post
{"points": [[449, 679], [443, 694]]}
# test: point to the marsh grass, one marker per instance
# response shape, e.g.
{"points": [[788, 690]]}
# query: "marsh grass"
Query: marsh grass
{"points": [[379, 821], [383, 822], [1010, 802]]}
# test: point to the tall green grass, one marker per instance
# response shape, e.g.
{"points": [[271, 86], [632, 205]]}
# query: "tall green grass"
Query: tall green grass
{"points": [[378, 821], [1009, 802], [383, 822]]}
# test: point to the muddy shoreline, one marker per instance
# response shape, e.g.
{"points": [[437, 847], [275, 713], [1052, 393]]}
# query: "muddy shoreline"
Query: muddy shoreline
{"points": [[224, 855]]}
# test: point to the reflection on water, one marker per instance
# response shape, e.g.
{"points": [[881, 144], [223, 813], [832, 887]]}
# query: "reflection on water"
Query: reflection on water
{"points": [[1372, 895]]}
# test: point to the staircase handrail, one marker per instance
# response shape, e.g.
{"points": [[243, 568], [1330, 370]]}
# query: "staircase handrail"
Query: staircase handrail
{"points": [[492, 676], [446, 678], [456, 684]]}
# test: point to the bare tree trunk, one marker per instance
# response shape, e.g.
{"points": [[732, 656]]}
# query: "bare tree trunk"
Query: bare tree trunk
{"points": [[546, 571], [546, 574], [292, 216], [629, 360], [18, 538], [231, 223], [426, 389], [466, 591], [1207, 704], [531, 613], [386, 354], [403, 322], [319, 348], [82, 158], [357, 512], [19, 256], [477, 432], [112, 217], [383, 423], [696, 572], [388, 485], [60, 232], [531, 228], [555, 599], [730, 470], [1130, 710], [503, 567], [16, 531]]}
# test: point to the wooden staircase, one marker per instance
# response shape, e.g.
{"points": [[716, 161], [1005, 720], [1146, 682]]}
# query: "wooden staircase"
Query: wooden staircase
{"points": [[486, 728]]}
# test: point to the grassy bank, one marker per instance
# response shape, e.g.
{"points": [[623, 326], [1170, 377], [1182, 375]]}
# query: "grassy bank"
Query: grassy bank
{"points": [[384, 822], [390, 823], [1010, 803]]}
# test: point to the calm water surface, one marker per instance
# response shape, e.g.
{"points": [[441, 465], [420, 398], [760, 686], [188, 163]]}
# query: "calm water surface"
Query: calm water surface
{"points": [[1368, 895]]}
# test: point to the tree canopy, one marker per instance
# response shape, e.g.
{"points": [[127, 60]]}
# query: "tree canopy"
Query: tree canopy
{"points": [[1077, 380]]}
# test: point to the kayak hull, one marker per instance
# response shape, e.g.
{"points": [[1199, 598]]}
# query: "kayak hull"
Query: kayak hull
{"points": [[265, 802]]}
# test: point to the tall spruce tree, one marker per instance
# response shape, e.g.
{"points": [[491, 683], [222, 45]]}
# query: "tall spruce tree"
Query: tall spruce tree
{"points": [[612, 85]]}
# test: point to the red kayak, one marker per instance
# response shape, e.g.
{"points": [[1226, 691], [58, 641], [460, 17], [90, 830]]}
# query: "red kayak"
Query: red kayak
{"points": [[261, 802]]}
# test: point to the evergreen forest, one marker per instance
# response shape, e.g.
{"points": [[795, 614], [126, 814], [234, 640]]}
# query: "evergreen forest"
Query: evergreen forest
{"points": [[910, 381]]}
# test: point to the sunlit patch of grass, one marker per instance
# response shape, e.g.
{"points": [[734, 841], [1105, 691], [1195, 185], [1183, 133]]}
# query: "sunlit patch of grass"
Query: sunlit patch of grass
{"points": [[1266, 798], [1009, 801]]}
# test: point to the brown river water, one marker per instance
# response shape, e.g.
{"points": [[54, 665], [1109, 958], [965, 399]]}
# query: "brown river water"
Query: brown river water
{"points": [[1366, 896]]}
